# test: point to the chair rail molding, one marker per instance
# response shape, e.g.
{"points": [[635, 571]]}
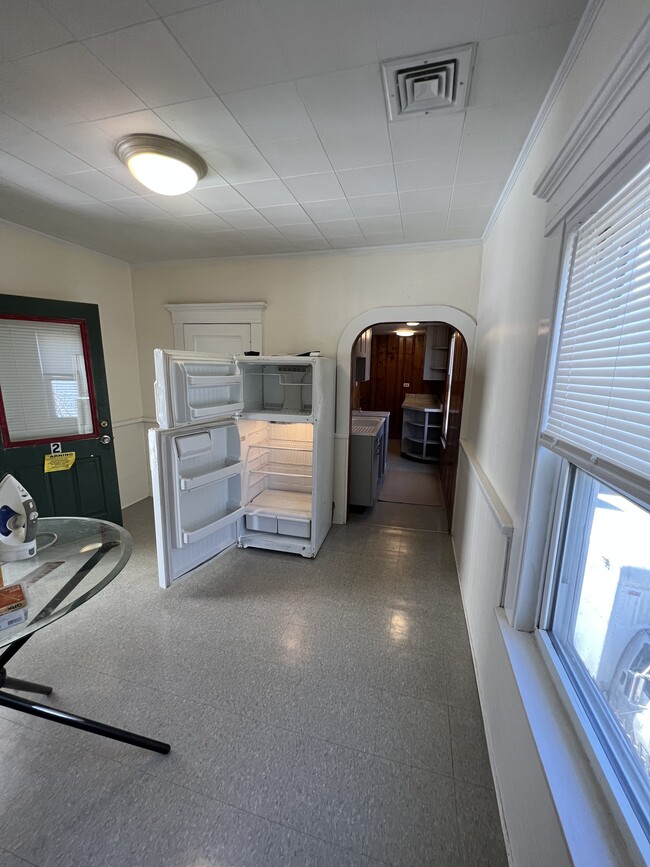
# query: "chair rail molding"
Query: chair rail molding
{"points": [[612, 136]]}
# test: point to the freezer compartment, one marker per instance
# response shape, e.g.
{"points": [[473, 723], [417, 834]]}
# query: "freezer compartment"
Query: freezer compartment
{"points": [[193, 388], [279, 389]]}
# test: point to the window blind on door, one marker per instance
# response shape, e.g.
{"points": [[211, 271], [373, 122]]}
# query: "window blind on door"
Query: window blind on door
{"points": [[43, 380], [599, 405]]}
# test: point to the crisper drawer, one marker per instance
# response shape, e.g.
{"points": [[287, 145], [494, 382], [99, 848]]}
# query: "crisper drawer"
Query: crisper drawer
{"points": [[265, 523], [295, 527]]}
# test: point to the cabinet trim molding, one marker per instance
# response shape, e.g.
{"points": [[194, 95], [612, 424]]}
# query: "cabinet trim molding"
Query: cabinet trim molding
{"points": [[220, 313]]}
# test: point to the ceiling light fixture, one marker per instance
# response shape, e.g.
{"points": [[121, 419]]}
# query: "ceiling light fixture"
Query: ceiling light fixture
{"points": [[412, 324], [404, 332], [161, 164]]}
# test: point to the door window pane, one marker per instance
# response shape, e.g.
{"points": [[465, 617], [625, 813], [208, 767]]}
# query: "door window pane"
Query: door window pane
{"points": [[601, 619], [44, 380]]}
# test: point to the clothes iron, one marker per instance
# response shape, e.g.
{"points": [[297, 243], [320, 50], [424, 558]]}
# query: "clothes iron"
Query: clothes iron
{"points": [[18, 520]]}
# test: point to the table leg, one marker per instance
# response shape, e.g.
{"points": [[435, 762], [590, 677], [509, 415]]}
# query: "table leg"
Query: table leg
{"points": [[78, 722], [25, 685]]}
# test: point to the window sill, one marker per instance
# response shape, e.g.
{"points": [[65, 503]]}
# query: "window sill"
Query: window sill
{"points": [[591, 830]]}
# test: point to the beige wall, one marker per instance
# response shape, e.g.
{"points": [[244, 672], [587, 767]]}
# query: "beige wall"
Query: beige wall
{"points": [[517, 292], [36, 265], [310, 298]]}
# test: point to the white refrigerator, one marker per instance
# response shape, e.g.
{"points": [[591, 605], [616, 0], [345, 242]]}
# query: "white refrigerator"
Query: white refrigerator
{"points": [[242, 455]]}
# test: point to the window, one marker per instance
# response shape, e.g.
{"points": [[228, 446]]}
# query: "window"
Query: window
{"points": [[596, 605]]}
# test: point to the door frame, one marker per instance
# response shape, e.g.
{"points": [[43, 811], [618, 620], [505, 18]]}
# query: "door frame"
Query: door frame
{"points": [[458, 319]]}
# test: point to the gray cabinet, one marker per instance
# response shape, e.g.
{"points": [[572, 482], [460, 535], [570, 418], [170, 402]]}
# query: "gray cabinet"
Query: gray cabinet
{"points": [[366, 460]]}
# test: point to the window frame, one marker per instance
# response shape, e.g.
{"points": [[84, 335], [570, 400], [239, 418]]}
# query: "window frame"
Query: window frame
{"points": [[531, 581]]}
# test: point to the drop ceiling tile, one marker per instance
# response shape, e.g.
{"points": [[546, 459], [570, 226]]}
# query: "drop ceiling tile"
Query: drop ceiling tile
{"points": [[139, 207], [220, 199], [381, 225], [207, 223], [231, 44], [501, 17], [421, 138], [344, 243], [136, 121], [485, 166], [55, 190], [179, 206], [315, 188], [518, 67], [247, 218], [61, 86], [296, 156], [425, 174], [385, 240], [489, 127], [27, 28], [340, 229], [375, 206], [285, 215], [92, 17], [265, 194], [204, 124], [17, 171], [265, 234], [97, 185], [271, 113], [417, 201], [465, 217], [344, 28], [421, 234], [334, 209], [311, 246], [239, 165], [365, 145], [373, 180], [464, 234], [302, 232], [22, 142], [430, 220], [344, 100], [149, 61], [476, 195], [86, 141], [415, 27]]}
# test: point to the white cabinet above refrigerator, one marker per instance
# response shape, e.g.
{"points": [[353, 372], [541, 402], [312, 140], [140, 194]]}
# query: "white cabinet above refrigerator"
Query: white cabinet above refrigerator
{"points": [[243, 455]]}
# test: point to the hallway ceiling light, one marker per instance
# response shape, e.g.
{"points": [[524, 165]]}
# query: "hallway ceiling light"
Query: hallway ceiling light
{"points": [[404, 332], [161, 164], [412, 324]]}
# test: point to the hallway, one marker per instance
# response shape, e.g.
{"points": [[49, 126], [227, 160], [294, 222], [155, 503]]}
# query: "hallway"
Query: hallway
{"points": [[320, 712]]}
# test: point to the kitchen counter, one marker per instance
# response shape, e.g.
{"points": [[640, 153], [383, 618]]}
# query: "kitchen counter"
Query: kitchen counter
{"points": [[422, 401]]}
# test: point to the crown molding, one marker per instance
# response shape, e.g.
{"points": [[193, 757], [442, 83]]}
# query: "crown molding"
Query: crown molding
{"points": [[606, 100], [575, 46]]}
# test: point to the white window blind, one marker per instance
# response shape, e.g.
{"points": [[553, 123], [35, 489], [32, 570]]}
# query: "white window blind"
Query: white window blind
{"points": [[599, 407], [43, 380]]}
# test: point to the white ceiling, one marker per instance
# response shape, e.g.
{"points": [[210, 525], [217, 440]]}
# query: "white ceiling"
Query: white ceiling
{"points": [[283, 99]]}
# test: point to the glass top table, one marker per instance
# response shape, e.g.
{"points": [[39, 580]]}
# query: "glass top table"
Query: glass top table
{"points": [[75, 559]]}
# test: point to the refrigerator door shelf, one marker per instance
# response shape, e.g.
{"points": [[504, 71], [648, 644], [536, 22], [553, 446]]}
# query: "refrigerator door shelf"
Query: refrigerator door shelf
{"points": [[190, 483], [191, 536]]}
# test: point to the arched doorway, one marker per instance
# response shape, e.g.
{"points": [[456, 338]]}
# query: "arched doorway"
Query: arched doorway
{"points": [[457, 320]]}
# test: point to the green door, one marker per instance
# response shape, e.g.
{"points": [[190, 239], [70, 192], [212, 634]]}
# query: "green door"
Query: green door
{"points": [[54, 400]]}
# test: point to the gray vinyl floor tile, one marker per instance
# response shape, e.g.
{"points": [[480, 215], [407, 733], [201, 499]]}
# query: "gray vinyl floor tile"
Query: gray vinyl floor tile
{"points": [[481, 840], [410, 817], [415, 732], [402, 516], [320, 712], [469, 749]]}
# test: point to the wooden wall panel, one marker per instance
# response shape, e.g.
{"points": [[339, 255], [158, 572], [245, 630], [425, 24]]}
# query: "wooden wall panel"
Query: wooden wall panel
{"points": [[395, 360]]}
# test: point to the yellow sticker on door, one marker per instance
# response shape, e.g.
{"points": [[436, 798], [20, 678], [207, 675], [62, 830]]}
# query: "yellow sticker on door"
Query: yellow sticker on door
{"points": [[63, 461]]}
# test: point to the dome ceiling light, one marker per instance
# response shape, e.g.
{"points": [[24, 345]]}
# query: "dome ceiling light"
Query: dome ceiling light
{"points": [[161, 164], [404, 332], [412, 324]]}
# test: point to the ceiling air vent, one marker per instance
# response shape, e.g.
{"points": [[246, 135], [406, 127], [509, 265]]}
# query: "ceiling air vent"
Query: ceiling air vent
{"points": [[428, 82]]}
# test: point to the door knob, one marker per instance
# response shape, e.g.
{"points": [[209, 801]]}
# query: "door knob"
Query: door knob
{"points": [[105, 440]]}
